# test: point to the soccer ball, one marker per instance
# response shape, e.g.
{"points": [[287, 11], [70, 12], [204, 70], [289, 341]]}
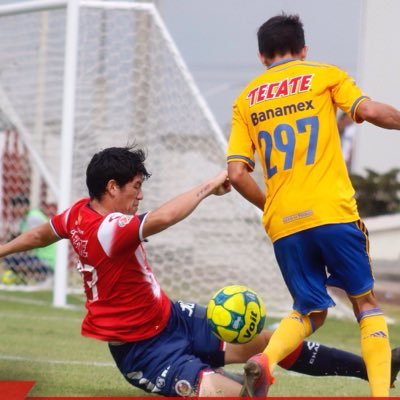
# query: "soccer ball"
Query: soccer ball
{"points": [[236, 314]]}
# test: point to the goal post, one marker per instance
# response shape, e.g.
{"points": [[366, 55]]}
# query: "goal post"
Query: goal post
{"points": [[79, 76], [67, 143]]}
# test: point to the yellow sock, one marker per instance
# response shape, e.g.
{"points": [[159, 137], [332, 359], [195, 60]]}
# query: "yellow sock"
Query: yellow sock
{"points": [[291, 331], [375, 349]]}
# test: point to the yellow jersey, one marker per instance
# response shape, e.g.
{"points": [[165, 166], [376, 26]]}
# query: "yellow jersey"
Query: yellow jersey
{"points": [[288, 116]]}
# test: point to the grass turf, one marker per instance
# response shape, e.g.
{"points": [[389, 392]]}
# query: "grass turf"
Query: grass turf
{"points": [[42, 343]]}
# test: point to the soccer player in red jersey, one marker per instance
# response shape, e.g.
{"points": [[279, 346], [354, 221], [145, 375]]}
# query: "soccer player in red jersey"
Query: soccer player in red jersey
{"points": [[287, 115], [160, 346]]}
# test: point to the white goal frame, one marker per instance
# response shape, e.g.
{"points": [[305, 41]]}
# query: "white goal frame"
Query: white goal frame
{"points": [[63, 189]]}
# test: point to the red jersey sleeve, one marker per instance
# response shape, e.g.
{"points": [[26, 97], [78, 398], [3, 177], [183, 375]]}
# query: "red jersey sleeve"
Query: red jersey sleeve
{"points": [[60, 224]]}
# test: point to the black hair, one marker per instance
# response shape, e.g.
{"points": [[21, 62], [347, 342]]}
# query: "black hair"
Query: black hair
{"points": [[281, 34], [119, 163], [21, 200]]}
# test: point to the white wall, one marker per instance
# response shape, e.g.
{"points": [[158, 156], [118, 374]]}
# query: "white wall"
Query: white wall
{"points": [[379, 76], [384, 234]]}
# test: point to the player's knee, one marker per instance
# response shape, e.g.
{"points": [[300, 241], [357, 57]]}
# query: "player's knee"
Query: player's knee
{"points": [[318, 318], [264, 337], [240, 353], [364, 302], [218, 383]]}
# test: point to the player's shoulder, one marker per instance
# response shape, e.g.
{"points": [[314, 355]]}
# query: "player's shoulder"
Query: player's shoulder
{"points": [[118, 231], [324, 73], [72, 211], [81, 203], [116, 222], [118, 218], [318, 68], [316, 64], [323, 67], [294, 68]]}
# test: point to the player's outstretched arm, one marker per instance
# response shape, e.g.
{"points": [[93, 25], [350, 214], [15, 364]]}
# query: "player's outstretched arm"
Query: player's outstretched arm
{"points": [[244, 183], [181, 206], [379, 114], [41, 236]]}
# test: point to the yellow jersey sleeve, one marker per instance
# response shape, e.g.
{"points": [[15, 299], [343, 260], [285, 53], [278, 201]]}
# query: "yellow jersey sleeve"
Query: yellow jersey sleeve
{"points": [[240, 147], [345, 88]]}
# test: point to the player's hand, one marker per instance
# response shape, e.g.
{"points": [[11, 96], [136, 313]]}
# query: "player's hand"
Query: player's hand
{"points": [[222, 184]]}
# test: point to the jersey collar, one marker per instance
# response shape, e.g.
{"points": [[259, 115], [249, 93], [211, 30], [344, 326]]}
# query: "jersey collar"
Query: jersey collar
{"points": [[286, 60]]}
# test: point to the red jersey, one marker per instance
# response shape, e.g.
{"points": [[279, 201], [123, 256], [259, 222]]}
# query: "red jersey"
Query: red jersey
{"points": [[124, 300]]}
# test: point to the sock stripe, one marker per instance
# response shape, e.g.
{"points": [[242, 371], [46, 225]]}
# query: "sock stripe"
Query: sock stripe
{"points": [[313, 328], [289, 360], [369, 313]]}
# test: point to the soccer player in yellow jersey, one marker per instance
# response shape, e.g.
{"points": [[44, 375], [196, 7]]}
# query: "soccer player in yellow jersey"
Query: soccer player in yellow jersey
{"points": [[287, 115]]}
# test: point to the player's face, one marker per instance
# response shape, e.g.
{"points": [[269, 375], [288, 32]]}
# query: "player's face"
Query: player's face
{"points": [[130, 195]]}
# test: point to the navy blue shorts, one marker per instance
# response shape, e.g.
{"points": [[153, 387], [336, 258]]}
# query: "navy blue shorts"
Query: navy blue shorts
{"points": [[327, 255], [171, 363]]}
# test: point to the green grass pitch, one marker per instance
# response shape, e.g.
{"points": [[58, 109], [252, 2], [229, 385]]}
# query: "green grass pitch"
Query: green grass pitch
{"points": [[44, 344]]}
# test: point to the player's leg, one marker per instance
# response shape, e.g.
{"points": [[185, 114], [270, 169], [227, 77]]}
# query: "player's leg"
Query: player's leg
{"points": [[316, 359], [240, 353], [375, 347], [303, 270], [182, 360], [394, 366], [258, 369], [208, 378], [161, 368], [290, 332], [309, 358], [217, 384], [348, 262]]}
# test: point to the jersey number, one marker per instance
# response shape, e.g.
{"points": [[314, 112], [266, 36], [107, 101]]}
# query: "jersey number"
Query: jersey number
{"points": [[286, 131], [89, 274]]}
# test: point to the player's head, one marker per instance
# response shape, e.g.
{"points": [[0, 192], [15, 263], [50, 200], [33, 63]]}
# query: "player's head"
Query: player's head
{"points": [[117, 164], [20, 200], [20, 204], [281, 35]]}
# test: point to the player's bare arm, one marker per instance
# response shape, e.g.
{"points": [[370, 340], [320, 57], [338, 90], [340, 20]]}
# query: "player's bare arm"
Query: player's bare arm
{"points": [[379, 114], [181, 206], [41, 236], [244, 183]]}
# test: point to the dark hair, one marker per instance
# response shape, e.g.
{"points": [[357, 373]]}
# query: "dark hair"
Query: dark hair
{"points": [[281, 34], [20, 200], [119, 163]]}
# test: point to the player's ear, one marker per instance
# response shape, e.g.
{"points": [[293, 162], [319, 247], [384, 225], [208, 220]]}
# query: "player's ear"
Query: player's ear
{"points": [[112, 186], [303, 53], [262, 59]]}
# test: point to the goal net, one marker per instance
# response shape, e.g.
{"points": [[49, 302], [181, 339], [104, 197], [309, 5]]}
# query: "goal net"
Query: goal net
{"points": [[130, 85]]}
